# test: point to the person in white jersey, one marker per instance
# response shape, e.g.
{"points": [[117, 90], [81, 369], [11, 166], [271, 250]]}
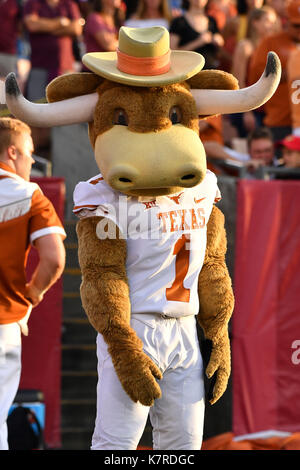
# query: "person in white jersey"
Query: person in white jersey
{"points": [[166, 243]]}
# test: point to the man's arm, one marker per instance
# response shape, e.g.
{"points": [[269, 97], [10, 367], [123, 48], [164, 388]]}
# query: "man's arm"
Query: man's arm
{"points": [[36, 24], [73, 28], [51, 264], [60, 26]]}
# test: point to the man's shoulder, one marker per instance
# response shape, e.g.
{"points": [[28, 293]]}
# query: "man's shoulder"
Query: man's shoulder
{"points": [[14, 187]]}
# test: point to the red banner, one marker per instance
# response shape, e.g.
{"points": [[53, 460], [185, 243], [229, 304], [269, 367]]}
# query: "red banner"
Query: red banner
{"points": [[266, 320], [41, 355]]}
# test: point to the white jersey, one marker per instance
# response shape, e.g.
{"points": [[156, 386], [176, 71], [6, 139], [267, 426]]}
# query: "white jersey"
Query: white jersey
{"points": [[165, 236]]}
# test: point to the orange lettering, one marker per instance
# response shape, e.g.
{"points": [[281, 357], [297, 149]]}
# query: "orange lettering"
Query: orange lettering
{"points": [[194, 219], [201, 215], [177, 292], [163, 216], [173, 221]]}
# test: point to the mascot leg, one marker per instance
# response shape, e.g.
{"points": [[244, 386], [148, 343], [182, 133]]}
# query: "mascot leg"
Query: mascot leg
{"points": [[178, 416], [120, 421]]}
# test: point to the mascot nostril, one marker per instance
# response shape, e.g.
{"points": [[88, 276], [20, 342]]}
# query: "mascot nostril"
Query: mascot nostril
{"points": [[190, 176], [125, 180], [151, 251]]}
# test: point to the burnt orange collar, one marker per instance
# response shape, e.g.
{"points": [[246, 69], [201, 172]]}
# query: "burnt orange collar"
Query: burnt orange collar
{"points": [[6, 167]]}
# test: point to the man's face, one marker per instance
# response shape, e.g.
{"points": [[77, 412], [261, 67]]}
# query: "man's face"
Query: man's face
{"points": [[23, 149], [262, 149], [291, 158]]}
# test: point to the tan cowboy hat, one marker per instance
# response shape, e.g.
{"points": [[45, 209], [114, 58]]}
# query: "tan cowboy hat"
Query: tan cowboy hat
{"points": [[144, 58]]}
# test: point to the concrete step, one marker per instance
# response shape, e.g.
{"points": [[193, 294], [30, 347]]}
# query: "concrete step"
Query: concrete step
{"points": [[71, 280], [71, 255], [70, 228], [78, 331], [72, 305], [79, 413], [79, 385], [79, 357]]}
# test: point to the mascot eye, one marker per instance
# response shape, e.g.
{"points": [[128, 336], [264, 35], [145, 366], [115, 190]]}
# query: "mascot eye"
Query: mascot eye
{"points": [[175, 115], [120, 117]]}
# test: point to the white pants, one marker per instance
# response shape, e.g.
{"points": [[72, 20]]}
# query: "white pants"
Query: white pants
{"points": [[177, 417], [10, 371]]}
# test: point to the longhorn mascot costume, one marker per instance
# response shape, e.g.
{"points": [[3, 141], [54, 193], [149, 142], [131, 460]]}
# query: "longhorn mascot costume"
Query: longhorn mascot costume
{"points": [[151, 241]]}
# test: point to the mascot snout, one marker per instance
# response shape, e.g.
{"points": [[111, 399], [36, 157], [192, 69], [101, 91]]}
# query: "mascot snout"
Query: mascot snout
{"points": [[132, 162]]}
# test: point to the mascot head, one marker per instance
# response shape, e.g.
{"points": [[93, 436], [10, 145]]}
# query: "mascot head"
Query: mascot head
{"points": [[142, 104]]}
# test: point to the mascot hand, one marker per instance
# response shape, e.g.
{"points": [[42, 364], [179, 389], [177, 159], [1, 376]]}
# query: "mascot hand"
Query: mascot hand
{"points": [[219, 364], [137, 374]]}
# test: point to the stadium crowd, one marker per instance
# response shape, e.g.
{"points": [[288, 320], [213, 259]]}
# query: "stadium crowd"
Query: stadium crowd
{"points": [[41, 39]]}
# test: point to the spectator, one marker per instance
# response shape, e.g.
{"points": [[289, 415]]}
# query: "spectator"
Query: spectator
{"points": [[236, 29], [52, 25], [102, 26], [293, 75], [280, 8], [195, 31], [261, 151], [211, 130], [26, 216], [277, 109], [221, 11], [291, 151], [10, 16], [261, 23], [150, 13]]}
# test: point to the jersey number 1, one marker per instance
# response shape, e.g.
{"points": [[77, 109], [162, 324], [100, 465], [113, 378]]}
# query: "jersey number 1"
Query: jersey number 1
{"points": [[177, 292]]}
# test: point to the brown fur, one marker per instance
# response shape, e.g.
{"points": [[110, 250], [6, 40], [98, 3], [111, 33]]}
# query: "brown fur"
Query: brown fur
{"points": [[104, 289], [216, 302], [105, 299], [147, 107]]}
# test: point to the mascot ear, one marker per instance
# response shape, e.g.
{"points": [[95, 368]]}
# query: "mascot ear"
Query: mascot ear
{"points": [[213, 80], [71, 85]]}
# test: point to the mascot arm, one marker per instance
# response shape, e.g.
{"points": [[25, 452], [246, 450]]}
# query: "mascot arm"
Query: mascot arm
{"points": [[105, 299], [216, 303]]}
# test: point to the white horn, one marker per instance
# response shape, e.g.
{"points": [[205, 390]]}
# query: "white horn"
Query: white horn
{"points": [[60, 113], [239, 101]]}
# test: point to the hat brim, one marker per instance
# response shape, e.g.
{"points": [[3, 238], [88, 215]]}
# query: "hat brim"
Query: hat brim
{"points": [[184, 64], [290, 145]]}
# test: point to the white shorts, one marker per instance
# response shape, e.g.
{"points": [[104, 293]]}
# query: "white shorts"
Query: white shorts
{"points": [[10, 371], [177, 417]]}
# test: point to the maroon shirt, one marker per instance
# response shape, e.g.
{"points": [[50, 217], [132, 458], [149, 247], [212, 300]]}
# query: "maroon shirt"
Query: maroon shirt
{"points": [[9, 16], [50, 52], [95, 23]]}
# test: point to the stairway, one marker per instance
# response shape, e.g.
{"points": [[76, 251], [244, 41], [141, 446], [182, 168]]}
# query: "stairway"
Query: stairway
{"points": [[79, 363]]}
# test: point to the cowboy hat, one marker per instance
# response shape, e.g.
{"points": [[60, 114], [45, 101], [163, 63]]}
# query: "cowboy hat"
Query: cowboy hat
{"points": [[144, 58]]}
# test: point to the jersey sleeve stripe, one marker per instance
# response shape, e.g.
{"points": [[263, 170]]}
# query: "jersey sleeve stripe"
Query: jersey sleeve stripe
{"points": [[46, 231], [84, 206], [96, 180]]}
